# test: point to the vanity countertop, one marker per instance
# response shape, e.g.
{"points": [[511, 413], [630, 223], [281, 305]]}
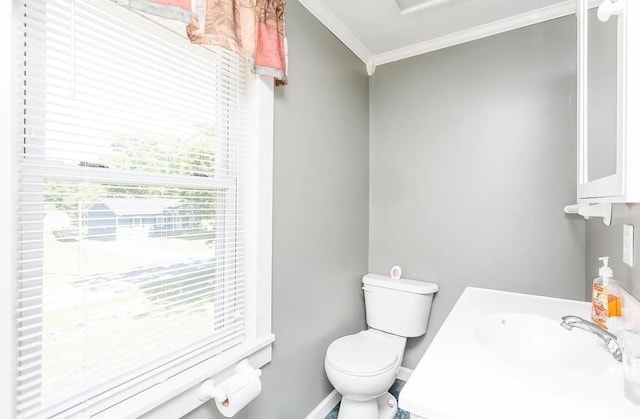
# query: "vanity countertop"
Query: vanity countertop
{"points": [[461, 377]]}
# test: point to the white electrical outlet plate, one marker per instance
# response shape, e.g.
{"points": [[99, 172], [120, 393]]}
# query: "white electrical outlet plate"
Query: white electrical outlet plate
{"points": [[627, 244]]}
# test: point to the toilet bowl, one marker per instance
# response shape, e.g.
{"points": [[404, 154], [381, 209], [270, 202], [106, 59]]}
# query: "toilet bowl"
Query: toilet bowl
{"points": [[363, 366]]}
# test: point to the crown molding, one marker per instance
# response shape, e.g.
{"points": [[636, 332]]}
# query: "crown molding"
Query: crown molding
{"points": [[318, 9], [504, 25], [328, 19]]}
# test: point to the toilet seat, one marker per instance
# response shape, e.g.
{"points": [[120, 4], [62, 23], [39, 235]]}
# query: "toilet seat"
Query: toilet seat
{"points": [[362, 355]]}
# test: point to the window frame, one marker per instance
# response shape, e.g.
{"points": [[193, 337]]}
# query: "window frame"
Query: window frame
{"points": [[7, 206], [172, 391]]}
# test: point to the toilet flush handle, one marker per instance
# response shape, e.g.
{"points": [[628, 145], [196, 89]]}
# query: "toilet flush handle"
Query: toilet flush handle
{"points": [[368, 289]]}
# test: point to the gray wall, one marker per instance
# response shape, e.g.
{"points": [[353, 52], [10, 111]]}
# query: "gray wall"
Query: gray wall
{"points": [[320, 217], [605, 240], [472, 159]]}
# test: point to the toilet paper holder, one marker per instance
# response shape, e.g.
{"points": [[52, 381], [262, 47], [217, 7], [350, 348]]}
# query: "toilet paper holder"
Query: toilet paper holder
{"points": [[243, 374]]}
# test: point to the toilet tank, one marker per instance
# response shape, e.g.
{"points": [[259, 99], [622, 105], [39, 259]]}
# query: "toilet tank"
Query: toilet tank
{"points": [[398, 306]]}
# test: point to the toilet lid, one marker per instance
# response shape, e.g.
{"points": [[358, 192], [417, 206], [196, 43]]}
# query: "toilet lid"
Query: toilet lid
{"points": [[362, 354]]}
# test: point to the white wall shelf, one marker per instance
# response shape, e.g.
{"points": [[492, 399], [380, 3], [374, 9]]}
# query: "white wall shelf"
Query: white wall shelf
{"points": [[602, 210]]}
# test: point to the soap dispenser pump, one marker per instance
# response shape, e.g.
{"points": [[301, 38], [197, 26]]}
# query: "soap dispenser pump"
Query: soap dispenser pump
{"points": [[605, 299]]}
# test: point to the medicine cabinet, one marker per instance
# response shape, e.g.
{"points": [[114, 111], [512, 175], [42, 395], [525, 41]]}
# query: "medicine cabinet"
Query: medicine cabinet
{"points": [[609, 101]]}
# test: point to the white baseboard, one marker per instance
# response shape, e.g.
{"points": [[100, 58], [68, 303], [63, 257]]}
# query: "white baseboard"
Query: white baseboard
{"points": [[325, 406], [329, 402], [404, 373]]}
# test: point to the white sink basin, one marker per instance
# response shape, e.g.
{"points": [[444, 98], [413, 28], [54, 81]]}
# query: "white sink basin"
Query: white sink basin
{"points": [[538, 343], [502, 355]]}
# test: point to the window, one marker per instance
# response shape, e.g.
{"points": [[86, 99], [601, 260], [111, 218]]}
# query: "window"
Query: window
{"points": [[140, 235]]}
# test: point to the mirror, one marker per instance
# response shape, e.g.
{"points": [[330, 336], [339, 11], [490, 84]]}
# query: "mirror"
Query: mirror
{"points": [[602, 98]]}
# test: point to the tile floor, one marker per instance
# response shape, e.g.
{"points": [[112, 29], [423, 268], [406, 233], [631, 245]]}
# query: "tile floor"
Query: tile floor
{"points": [[395, 390]]}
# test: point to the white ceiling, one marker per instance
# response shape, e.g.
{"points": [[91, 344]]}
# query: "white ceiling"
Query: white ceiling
{"points": [[382, 31]]}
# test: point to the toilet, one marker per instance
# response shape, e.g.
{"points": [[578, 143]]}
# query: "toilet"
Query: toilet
{"points": [[363, 366]]}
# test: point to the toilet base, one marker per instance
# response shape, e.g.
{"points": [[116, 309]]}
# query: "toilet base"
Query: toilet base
{"points": [[383, 407], [387, 406]]}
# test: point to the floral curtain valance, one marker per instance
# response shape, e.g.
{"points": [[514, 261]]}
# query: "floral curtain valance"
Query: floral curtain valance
{"points": [[252, 28]]}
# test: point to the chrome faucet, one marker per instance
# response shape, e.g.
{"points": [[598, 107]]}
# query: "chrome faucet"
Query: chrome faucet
{"points": [[609, 339]]}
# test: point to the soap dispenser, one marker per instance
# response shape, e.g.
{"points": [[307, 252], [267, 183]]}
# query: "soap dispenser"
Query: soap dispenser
{"points": [[605, 300]]}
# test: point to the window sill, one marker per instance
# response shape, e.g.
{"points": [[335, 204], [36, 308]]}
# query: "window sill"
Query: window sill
{"points": [[178, 395]]}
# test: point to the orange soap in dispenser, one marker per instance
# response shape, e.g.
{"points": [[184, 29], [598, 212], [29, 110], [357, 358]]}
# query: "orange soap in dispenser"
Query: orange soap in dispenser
{"points": [[605, 300]]}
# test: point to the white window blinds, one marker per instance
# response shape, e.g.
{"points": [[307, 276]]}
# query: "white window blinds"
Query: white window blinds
{"points": [[130, 191]]}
